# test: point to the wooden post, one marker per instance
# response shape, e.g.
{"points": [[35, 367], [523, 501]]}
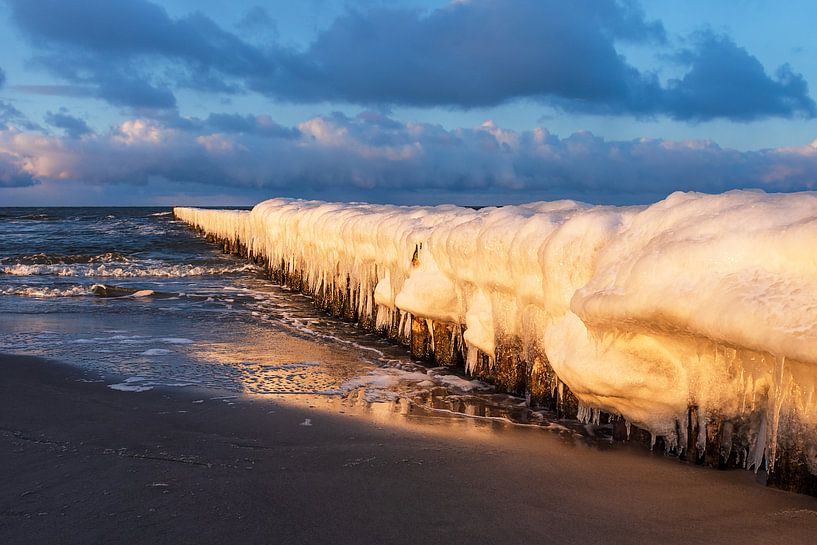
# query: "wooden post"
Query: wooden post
{"points": [[420, 344]]}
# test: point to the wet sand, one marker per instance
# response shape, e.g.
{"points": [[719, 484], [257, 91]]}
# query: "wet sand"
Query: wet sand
{"points": [[82, 463]]}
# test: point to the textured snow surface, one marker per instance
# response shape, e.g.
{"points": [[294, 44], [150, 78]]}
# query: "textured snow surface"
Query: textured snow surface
{"points": [[706, 300]]}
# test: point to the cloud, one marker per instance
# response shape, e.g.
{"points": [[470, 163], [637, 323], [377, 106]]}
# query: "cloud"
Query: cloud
{"points": [[76, 91], [74, 127], [724, 80], [256, 20], [373, 157], [11, 116], [12, 173], [261, 125], [479, 53], [471, 54], [132, 51], [2, 78]]}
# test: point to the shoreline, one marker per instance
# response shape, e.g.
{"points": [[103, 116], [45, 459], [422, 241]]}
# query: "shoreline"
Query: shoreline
{"points": [[83, 463]]}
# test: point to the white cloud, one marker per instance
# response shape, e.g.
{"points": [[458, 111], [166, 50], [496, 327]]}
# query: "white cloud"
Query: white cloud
{"points": [[371, 156]]}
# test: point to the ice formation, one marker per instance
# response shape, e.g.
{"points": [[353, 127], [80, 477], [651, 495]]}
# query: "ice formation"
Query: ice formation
{"points": [[704, 301]]}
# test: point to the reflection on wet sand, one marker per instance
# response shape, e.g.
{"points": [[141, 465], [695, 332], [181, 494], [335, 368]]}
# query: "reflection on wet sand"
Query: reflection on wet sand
{"points": [[266, 359], [303, 369]]}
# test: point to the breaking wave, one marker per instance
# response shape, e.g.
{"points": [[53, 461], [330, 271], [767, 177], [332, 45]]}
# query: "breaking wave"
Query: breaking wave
{"points": [[46, 291], [67, 259], [121, 270]]}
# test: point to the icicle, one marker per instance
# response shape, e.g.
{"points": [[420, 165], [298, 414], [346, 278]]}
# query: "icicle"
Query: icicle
{"points": [[807, 403], [403, 320], [588, 415], [584, 414], [759, 446], [681, 434], [777, 399], [700, 443], [471, 359], [670, 441]]}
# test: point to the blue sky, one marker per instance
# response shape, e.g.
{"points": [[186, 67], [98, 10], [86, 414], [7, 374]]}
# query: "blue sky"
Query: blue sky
{"points": [[481, 101]]}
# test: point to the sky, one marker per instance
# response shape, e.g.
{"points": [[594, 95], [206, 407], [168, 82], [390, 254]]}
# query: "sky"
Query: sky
{"points": [[481, 102]]}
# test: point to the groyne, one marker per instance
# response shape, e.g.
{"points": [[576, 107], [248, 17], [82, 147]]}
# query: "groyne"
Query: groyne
{"points": [[689, 325]]}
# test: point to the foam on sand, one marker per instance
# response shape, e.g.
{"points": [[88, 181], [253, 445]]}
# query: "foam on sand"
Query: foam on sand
{"points": [[156, 352], [132, 384]]}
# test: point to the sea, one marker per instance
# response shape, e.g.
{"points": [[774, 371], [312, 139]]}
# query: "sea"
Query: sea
{"points": [[140, 301]]}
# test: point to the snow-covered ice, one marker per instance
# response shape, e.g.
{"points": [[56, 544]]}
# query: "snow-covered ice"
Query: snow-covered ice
{"points": [[643, 311]]}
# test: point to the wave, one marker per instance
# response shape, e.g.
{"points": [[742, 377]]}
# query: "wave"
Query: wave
{"points": [[45, 291], [66, 259], [125, 270]]}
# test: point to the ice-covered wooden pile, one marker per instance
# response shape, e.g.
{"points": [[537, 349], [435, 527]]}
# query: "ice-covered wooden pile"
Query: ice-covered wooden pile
{"points": [[694, 318]]}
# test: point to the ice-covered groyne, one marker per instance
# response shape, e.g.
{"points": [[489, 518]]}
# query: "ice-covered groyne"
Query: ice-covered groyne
{"points": [[694, 318]]}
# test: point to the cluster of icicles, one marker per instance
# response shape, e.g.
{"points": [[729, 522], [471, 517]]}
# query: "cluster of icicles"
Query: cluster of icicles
{"points": [[698, 300]]}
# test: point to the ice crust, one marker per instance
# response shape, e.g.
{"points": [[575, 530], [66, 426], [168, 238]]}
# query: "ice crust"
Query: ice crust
{"points": [[697, 300]]}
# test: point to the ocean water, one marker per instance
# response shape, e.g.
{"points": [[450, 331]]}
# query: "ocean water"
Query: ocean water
{"points": [[134, 294]]}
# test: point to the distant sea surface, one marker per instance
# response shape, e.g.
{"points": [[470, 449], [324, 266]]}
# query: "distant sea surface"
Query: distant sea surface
{"points": [[134, 293]]}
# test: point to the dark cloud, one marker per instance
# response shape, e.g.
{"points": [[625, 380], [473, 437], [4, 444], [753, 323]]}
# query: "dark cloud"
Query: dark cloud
{"points": [[374, 157], [472, 54], [12, 172], [253, 125], [466, 54], [132, 51], [11, 116], [122, 83], [2, 78], [126, 91], [76, 91], [123, 28], [724, 80], [261, 125], [256, 20], [74, 127]]}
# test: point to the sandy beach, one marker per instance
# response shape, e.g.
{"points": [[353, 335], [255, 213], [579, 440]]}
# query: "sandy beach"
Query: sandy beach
{"points": [[82, 463]]}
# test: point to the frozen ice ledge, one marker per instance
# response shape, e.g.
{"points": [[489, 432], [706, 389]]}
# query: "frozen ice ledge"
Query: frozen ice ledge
{"points": [[691, 322]]}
